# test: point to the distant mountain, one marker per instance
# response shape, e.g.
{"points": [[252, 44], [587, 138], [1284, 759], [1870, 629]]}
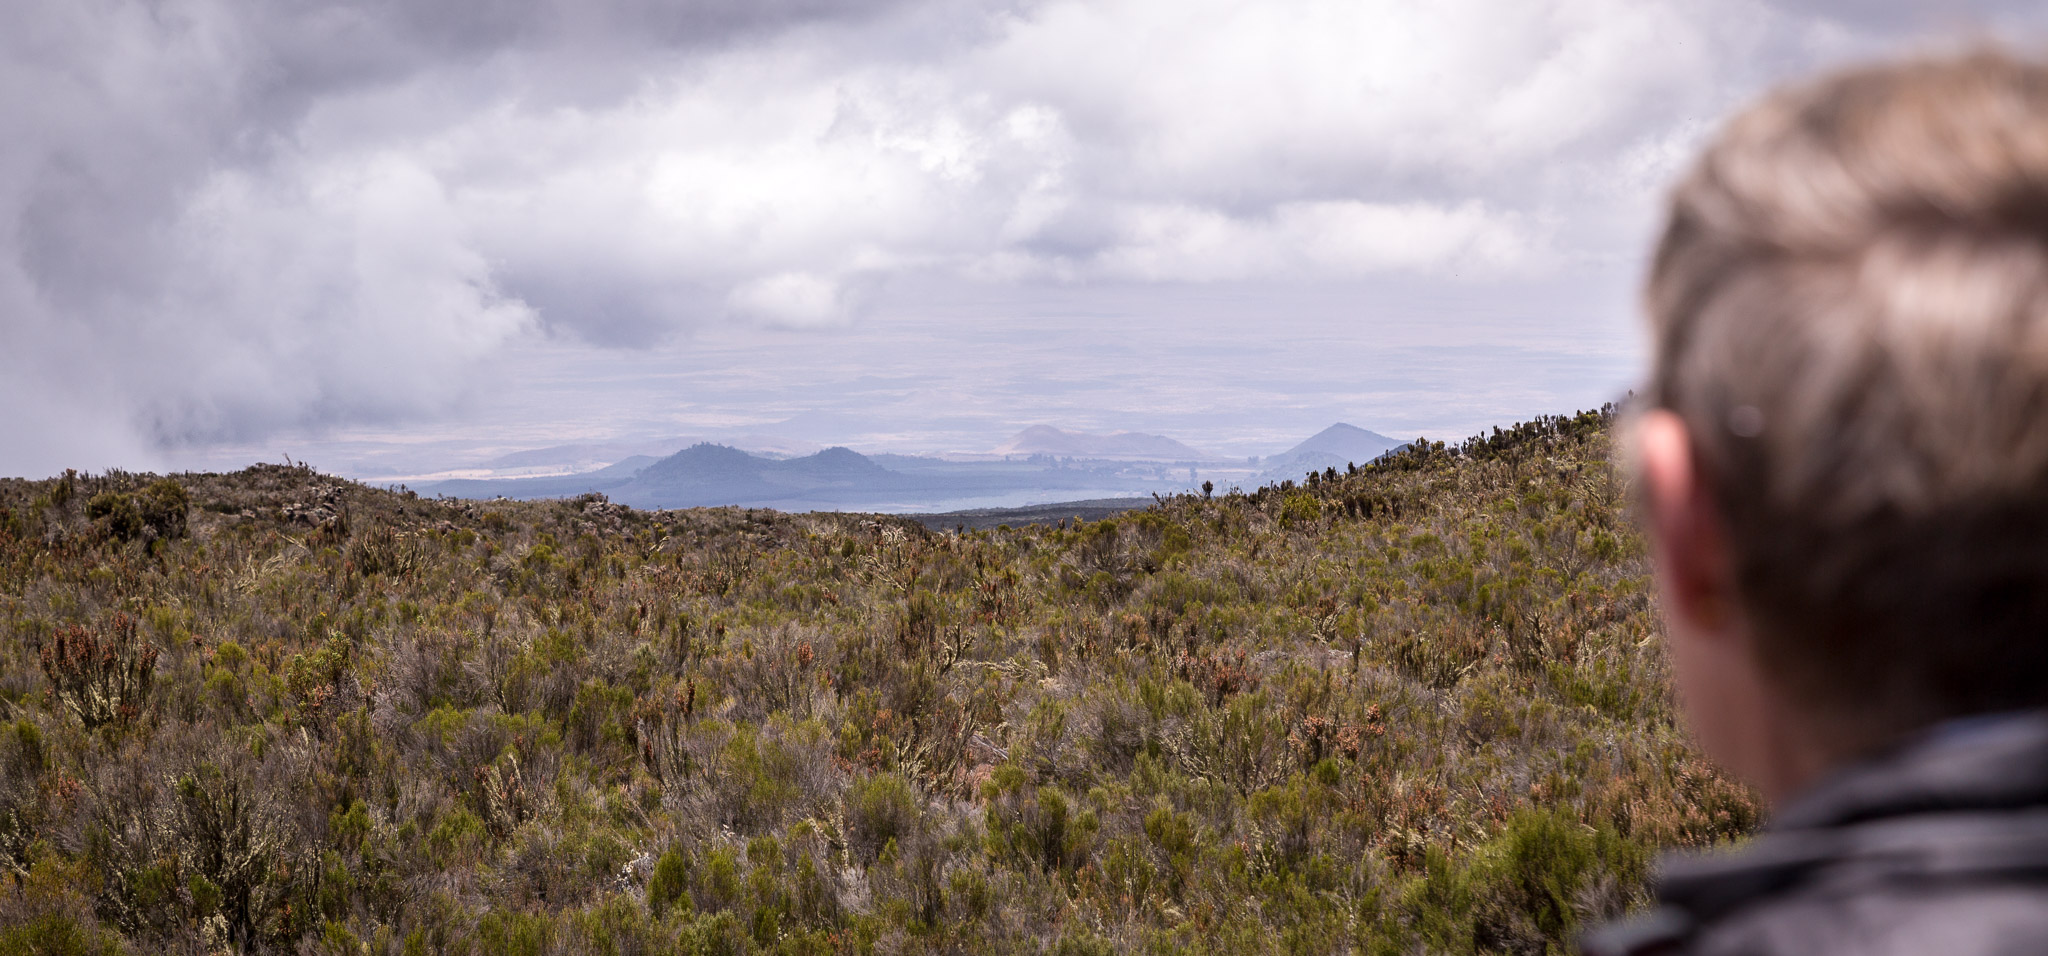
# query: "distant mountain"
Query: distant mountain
{"points": [[1349, 442], [703, 474], [772, 446], [1123, 446], [1043, 464], [1337, 446], [582, 458], [709, 474]]}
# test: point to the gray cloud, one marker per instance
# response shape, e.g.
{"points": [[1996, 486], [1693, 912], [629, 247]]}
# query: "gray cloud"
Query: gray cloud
{"points": [[183, 261], [227, 221]]}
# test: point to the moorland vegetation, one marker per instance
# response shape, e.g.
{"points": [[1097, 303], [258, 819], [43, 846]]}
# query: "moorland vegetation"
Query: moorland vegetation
{"points": [[1419, 705]]}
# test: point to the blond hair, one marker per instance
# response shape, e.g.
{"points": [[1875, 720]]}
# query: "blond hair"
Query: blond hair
{"points": [[1850, 311]]}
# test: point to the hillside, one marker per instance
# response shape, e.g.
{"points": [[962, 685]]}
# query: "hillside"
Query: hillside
{"points": [[1417, 708], [1057, 513]]}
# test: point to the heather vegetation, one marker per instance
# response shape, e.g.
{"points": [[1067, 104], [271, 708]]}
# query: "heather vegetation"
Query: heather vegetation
{"points": [[1418, 707]]}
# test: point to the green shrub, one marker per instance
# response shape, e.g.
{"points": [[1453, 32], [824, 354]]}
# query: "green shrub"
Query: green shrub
{"points": [[1532, 877], [670, 885], [1083, 943], [116, 514], [515, 934], [52, 934], [163, 507], [716, 934], [159, 510], [880, 810]]}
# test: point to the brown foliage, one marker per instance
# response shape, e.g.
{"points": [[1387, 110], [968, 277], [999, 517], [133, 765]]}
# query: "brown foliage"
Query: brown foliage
{"points": [[103, 672]]}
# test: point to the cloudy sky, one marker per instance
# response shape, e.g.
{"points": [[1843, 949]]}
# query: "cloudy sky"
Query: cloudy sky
{"points": [[383, 235]]}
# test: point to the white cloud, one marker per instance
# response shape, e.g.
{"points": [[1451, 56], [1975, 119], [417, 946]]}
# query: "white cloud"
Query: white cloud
{"points": [[1342, 238], [1235, 100], [790, 299], [350, 292], [1124, 139]]}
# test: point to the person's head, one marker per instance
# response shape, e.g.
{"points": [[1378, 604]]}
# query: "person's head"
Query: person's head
{"points": [[1845, 452]]}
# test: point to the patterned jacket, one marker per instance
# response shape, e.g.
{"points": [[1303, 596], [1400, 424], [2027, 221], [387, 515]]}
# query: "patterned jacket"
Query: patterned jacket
{"points": [[1938, 848]]}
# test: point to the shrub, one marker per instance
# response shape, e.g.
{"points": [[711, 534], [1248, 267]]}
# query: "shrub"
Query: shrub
{"points": [[880, 810], [1415, 707], [1535, 877], [159, 511], [54, 934], [163, 507], [103, 673], [669, 885], [116, 514]]}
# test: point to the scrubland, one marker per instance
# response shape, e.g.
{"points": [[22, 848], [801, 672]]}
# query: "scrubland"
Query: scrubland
{"points": [[1417, 708]]}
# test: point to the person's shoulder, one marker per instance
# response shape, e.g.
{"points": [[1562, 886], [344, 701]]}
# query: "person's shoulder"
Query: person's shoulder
{"points": [[1940, 845], [1972, 884], [1892, 918], [1942, 917]]}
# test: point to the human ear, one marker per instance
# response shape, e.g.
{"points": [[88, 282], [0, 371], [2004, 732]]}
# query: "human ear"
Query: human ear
{"points": [[1687, 538]]}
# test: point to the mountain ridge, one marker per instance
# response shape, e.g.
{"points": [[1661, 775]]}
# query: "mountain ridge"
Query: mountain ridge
{"points": [[1055, 465], [1338, 446]]}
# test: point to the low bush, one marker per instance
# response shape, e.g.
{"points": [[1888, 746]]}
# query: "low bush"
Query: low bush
{"points": [[1419, 706]]}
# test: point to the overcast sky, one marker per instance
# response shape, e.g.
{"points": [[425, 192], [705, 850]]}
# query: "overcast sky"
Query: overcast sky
{"points": [[386, 233]]}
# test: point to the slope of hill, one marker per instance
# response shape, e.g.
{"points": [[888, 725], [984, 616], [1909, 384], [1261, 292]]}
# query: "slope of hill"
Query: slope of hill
{"points": [[1056, 513], [1415, 709]]}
